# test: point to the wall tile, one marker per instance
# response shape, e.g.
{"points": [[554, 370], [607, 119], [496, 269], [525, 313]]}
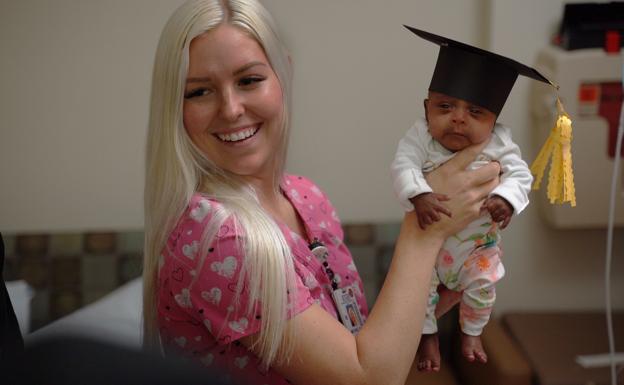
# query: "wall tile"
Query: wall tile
{"points": [[365, 260], [371, 290], [99, 272], [10, 272], [130, 242], [9, 244], [64, 301], [66, 244], [66, 272], [387, 233], [92, 295], [32, 245], [384, 257], [130, 266], [359, 234], [34, 270], [40, 309], [100, 243]]}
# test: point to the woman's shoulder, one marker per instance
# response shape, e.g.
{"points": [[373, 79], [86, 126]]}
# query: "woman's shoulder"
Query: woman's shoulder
{"points": [[203, 216], [303, 185], [202, 210]]}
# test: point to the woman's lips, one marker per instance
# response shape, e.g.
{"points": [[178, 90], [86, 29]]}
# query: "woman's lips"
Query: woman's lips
{"points": [[238, 135]]}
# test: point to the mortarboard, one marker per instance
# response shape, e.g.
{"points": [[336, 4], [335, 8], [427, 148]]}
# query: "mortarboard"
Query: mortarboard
{"points": [[485, 78], [474, 74]]}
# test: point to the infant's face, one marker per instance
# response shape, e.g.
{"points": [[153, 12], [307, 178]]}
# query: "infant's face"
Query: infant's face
{"points": [[457, 124]]}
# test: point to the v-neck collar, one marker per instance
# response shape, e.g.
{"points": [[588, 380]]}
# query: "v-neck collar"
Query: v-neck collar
{"points": [[309, 228]]}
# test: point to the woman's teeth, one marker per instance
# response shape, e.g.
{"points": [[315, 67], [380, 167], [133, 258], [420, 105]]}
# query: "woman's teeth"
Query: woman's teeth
{"points": [[238, 136]]}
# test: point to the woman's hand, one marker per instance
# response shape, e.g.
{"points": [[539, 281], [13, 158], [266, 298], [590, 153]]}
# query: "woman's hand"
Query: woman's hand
{"points": [[466, 189]]}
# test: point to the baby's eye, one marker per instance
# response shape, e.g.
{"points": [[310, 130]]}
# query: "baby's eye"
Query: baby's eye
{"points": [[444, 106], [248, 81], [197, 92], [475, 111]]}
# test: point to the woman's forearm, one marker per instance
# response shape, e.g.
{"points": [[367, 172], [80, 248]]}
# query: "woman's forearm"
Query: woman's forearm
{"points": [[389, 339]]}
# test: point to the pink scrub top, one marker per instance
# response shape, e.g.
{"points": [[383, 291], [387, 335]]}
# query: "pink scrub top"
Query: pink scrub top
{"points": [[200, 321]]}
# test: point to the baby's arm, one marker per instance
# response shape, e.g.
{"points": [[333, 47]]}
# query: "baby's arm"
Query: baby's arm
{"points": [[407, 175], [512, 194], [500, 210], [428, 207]]}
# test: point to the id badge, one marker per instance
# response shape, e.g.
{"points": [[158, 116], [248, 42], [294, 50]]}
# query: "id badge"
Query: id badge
{"points": [[348, 309]]}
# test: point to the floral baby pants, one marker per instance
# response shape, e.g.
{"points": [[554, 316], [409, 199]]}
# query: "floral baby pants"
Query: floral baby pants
{"points": [[470, 262]]}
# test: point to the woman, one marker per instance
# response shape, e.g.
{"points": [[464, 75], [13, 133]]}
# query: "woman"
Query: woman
{"points": [[229, 277]]}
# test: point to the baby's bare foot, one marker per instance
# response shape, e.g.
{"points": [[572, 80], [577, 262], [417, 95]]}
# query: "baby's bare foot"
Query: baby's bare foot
{"points": [[429, 353], [472, 349]]}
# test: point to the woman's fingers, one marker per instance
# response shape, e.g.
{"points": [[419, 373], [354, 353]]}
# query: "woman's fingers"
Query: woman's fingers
{"points": [[443, 210], [463, 158], [483, 190], [486, 173]]}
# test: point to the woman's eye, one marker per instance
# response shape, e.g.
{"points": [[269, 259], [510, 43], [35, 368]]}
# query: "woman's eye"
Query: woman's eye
{"points": [[250, 80], [196, 93]]}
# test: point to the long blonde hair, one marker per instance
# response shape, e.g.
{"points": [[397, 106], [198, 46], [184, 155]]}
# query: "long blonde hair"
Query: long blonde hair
{"points": [[176, 169]]}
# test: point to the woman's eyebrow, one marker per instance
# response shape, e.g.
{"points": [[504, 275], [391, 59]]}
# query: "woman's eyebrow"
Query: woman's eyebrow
{"points": [[198, 79], [237, 72], [248, 66]]}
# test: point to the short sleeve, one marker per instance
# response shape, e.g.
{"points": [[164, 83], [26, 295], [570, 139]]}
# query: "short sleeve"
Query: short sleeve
{"points": [[207, 292]]}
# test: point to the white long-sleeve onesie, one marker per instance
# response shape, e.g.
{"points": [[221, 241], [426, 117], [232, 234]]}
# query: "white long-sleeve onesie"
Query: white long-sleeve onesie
{"points": [[418, 153], [469, 261]]}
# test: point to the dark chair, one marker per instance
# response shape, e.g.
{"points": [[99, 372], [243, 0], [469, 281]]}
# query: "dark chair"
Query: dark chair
{"points": [[11, 342]]}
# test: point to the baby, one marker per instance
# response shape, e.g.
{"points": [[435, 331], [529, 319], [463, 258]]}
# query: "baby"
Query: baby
{"points": [[467, 92]]}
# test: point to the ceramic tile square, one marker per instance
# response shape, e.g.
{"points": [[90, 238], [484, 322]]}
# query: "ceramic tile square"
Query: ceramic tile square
{"points": [[100, 243], [130, 242], [92, 295], [31, 245], [387, 233], [371, 290], [11, 269], [66, 244], [66, 272], [99, 272], [129, 267], [9, 244], [40, 309], [365, 260], [384, 257], [64, 301], [34, 270], [359, 234]]}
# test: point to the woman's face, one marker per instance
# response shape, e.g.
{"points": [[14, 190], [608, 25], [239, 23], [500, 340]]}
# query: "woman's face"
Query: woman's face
{"points": [[233, 102]]}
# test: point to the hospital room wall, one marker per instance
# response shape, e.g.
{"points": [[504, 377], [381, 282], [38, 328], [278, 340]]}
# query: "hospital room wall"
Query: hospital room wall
{"points": [[75, 105]]}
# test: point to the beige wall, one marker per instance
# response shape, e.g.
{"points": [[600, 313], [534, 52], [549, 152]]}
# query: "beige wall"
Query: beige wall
{"points": [[75, 85], [546, 268], [73, 106]]}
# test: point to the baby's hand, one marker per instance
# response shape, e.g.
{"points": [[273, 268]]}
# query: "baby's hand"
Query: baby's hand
{"points": [[500, 210], [428, 206]]}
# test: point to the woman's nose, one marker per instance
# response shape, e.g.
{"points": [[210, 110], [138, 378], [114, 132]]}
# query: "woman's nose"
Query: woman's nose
{"points": [[232, 106]]}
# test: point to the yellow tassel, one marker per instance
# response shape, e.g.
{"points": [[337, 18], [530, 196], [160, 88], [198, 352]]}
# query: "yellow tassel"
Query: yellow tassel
{"points": [[559, 145]]}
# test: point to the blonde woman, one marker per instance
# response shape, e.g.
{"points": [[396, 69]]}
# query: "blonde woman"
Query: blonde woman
{"points": [[245, 268]]}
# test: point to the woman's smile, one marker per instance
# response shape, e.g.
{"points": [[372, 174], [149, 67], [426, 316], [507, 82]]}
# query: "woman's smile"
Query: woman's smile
{"points": [[239, 136]]}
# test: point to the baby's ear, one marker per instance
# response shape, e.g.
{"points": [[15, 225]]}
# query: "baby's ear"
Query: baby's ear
{"points": [[425, 102]]}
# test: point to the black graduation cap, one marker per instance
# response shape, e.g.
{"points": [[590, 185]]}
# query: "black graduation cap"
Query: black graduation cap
{"points": [[473, 74]]}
